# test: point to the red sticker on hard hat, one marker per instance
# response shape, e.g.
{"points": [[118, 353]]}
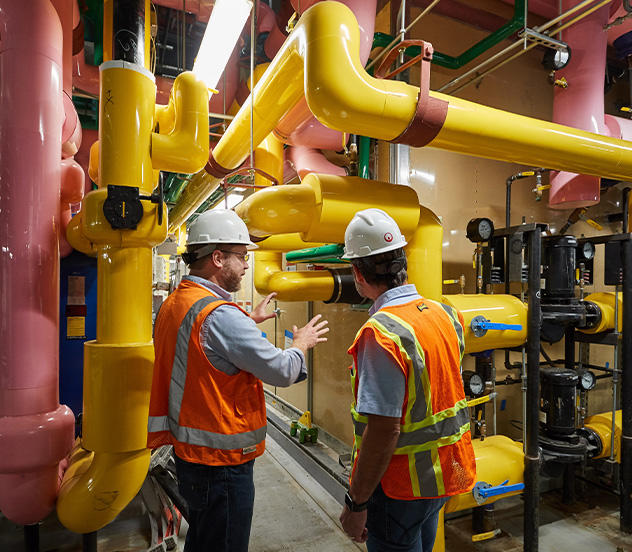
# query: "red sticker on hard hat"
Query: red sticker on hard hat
{"points": [[388, 237]]}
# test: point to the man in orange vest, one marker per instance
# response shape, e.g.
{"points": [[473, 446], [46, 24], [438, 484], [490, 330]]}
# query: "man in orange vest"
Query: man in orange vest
{"points": [[207, 394], [412, 447]]}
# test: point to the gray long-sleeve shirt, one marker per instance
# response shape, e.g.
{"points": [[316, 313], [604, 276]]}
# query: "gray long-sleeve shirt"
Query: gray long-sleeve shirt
{"points": [[232, 342]]}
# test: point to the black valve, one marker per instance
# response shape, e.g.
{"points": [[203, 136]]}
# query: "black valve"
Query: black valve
{"points": [[123, 208]]}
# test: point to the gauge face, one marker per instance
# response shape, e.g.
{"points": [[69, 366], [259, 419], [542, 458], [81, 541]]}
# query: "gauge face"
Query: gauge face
{"points": [[480, 230], [587, 380], [561, 58], [588, 250], [476, 385], [485, 229]]}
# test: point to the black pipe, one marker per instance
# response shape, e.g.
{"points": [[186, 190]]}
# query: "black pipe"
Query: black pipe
{"points": [[532, 453], [128, 31], [31, 538], [89, 542], [626, 392], [569, 347], [624, 200]]}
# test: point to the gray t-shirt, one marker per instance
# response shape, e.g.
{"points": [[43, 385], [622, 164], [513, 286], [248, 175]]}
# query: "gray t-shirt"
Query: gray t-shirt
{"points": [[232, 342], [381, 383]]}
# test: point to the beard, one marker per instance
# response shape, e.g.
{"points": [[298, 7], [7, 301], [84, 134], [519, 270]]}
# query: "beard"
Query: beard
{"points": [[231, 280]]}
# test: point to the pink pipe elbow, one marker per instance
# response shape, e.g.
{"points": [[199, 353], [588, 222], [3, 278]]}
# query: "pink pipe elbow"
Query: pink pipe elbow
{"points": [[36, 432], [72, 191], [309, 160]]}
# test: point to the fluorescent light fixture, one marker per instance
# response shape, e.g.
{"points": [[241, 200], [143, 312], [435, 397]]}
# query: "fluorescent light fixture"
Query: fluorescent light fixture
{"points": [[233, 199], [222, 32]]}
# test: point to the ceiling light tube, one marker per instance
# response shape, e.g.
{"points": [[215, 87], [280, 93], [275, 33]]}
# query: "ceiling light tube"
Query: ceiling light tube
{"points": [[222, 32]]}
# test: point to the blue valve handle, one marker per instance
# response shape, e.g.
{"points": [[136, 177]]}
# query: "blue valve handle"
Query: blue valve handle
{"points": [[487, 325], [503, 488], [480, 325]]}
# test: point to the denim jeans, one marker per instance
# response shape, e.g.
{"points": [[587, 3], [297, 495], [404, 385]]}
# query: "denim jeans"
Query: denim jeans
{"points": [[402, 525], [220, 501]]}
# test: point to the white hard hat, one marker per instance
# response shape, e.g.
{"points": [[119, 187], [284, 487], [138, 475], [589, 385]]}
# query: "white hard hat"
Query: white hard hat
{"points": [[371, 232], [219, 226]]}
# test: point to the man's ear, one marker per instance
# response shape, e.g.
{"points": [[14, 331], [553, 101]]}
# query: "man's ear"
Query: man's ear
{"points": [[357, 275], [216, 259]]}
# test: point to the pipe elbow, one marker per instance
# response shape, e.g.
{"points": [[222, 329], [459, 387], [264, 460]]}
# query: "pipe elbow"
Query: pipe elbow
{"points": [[302, 285], [93, 162], [267, 263], [279, 210], [185, 148], [97, 486], [76, 237]]}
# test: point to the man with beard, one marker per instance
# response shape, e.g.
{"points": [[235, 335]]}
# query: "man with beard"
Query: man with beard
{"points": [[207, 394]]}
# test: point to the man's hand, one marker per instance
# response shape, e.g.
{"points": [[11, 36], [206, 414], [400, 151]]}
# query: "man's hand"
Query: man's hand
{"points": [[259, 313], [309, 335], [354, 524]]}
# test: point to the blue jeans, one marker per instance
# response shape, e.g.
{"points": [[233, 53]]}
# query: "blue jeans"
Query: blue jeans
{"points": [[402, 525], [220, 501]]}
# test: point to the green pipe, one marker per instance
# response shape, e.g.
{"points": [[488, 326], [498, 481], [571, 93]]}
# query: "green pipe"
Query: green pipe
{"points": [[333, 260], [315, 253], [516, 23], [364, 150]]}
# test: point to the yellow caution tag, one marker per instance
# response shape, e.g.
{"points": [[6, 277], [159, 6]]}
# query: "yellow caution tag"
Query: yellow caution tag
{"points": [[485, 536], [75, 327]]}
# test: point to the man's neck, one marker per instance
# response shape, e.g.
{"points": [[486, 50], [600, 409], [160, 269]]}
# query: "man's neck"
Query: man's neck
{"points": [[206, 276]]}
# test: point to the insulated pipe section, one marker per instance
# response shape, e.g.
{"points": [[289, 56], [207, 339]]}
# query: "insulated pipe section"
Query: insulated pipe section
{"points": [[503, 309], [320, 61], [321, 207], [598, 430], [604, 304]]}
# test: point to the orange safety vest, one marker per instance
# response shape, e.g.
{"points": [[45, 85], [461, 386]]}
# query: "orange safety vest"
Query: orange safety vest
{"points": [[434, 455], [209, 417]]}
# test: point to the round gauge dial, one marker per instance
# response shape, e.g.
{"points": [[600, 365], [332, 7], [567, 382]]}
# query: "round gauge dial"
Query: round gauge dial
{"points": [[480, 230], [587, 380], [588, 250], [473, 383]]}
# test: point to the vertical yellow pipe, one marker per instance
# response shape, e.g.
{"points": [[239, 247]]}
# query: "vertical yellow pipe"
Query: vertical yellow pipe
{"points": [[424, 255]]}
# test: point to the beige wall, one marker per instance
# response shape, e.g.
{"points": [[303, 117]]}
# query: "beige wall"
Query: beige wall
{"points": [[457, 188]]}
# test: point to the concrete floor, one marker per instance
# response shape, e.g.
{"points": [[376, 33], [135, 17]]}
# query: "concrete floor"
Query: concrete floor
{"points": [[292, 512]]}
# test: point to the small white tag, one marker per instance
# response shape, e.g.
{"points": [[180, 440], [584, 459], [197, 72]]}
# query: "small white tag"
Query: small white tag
{"points": [[249, 450]]}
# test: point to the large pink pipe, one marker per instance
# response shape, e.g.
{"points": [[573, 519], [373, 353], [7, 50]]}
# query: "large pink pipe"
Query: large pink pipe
{"points": [[581, 105], [309, 160], [35, 431]]}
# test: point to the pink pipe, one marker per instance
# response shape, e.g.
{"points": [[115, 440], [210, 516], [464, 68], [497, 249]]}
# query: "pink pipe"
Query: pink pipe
{"points": [[36, 432], [581, 105], [309, 160]]}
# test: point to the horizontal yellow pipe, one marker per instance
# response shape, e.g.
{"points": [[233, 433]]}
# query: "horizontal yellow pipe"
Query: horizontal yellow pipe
{"points": [[491, 133], [285, 243], [498, 459], [504, 309], [317, 285], [601, 424], [605, 301]]}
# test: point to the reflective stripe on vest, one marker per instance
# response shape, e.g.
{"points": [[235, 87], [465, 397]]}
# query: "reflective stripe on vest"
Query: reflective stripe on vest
{"points": [[169, 423], [454, 317], [422, 433]]}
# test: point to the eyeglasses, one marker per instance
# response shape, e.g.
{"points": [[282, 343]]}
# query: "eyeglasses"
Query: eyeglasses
{"points": [[243, 257]]}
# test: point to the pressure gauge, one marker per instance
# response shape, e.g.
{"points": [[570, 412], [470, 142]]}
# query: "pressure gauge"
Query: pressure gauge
{"points": [[587, 250], [587, 380], [556, 59], [479, 230], [473, 383]]}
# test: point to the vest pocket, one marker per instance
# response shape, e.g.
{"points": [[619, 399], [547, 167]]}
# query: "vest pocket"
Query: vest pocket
{"points": [[248, 400]]}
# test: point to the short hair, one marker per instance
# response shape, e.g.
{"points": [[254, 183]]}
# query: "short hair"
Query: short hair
{"points": [[384, 269], [198, 262]]}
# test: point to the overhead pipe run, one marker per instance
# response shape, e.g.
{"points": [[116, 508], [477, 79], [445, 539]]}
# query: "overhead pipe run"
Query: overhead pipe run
{"points": [[320, 60]]}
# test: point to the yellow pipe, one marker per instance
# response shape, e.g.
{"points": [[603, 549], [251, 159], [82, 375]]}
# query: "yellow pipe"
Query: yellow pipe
{"points": [[285, 242], [118, 365], [184, 143], [498, 459], [269, 158], [321, 207], [504, 309], [605, 301], [601, 424], [316, 285], [320, 60]]}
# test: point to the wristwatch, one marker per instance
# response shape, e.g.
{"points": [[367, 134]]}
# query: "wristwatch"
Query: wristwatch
{"points": [[354, 506]]}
